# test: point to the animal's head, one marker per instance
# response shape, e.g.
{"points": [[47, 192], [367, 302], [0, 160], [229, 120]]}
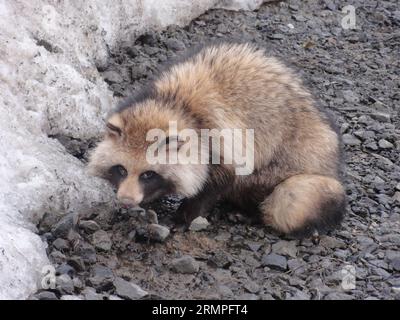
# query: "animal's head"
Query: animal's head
{"points": [[123, 157]]}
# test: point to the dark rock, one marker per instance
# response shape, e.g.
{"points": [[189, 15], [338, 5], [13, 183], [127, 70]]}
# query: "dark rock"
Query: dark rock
{"points": [[46, 295], [87, 252], [61, 244], [77, 263], [274, 261], [286, 248], [62, 227], [220, 259], [64, 284], [128, 290], [101, 278], [65, 268], [89, 226]]}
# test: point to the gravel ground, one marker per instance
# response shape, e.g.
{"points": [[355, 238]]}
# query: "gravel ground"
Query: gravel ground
{"points": [[355, 74]]}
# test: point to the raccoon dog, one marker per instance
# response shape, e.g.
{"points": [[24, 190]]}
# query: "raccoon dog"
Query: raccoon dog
{"points": [[295, 182]]}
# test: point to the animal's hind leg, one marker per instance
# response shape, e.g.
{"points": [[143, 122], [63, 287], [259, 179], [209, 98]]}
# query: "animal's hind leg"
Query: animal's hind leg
{"points": [[305, 203]]}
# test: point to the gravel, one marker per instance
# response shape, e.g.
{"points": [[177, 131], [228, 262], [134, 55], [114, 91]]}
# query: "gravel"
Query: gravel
{"points": [[353, 74]]}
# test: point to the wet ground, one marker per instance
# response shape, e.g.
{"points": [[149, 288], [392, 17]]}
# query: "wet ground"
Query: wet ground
{"points": [[355, 74]]}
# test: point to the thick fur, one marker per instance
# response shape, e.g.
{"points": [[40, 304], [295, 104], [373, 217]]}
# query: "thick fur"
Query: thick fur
{"points": [[295, 184]]}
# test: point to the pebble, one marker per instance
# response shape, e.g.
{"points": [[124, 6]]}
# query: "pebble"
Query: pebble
{"points": [[62, 227], [112, 77], [128, 290], [91, 294], [101, 278], [101, 240], [274, 261], [185, 264], [285, 248], [350, 140], [220, 259], [87, 252], [89, 226], [61, 244], [384, 144], [381, 116], [199, 224], [64, 284], [46, 295], [157, 232], [71, 297]]}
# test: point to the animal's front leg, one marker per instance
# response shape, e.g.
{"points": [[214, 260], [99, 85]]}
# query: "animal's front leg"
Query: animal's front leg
{"points": [[194, 207]]}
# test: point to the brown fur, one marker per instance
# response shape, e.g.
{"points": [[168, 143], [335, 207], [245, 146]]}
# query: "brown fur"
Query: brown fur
{"points": [[296, 150]]}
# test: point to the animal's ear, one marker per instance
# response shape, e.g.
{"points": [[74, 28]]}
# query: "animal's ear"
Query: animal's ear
{"points": [[114, 126]]}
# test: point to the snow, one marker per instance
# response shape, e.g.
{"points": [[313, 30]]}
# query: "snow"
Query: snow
{"points": [[49, 85]]}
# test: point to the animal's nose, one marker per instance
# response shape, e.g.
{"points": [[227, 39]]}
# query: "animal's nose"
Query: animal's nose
{"points": [[128, 202]]}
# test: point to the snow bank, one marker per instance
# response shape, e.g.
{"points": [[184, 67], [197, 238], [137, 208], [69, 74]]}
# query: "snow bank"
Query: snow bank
{"points": [[50, 86]]}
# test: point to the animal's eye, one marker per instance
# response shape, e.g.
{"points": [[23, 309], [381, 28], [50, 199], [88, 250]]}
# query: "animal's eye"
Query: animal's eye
{"points": [[120, 170], [147, 175]]}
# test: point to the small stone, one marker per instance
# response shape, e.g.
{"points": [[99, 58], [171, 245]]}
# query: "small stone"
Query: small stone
{"points": [[350, 96], [89, 226], [64, 284], [393, 259], [381, 116], [220, 259], [128, 290], [112, 77], [274, 261], [372, 146], [65, 268], [384, 144], [101, 278], [248, 296], [252, 287], [174, 44], [158, 232], [101, 240], [151, 216], [185, 264], [396, 197], [77, 283], [338, 296], [61, 244], [77, 263], [332, 243], [199, 224], [87, 252], [225, 291], [70, 297], [350, 140], [276, 36], [62, 227], [57, 257], [91, 294], [286, 248], [46, 295]]}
